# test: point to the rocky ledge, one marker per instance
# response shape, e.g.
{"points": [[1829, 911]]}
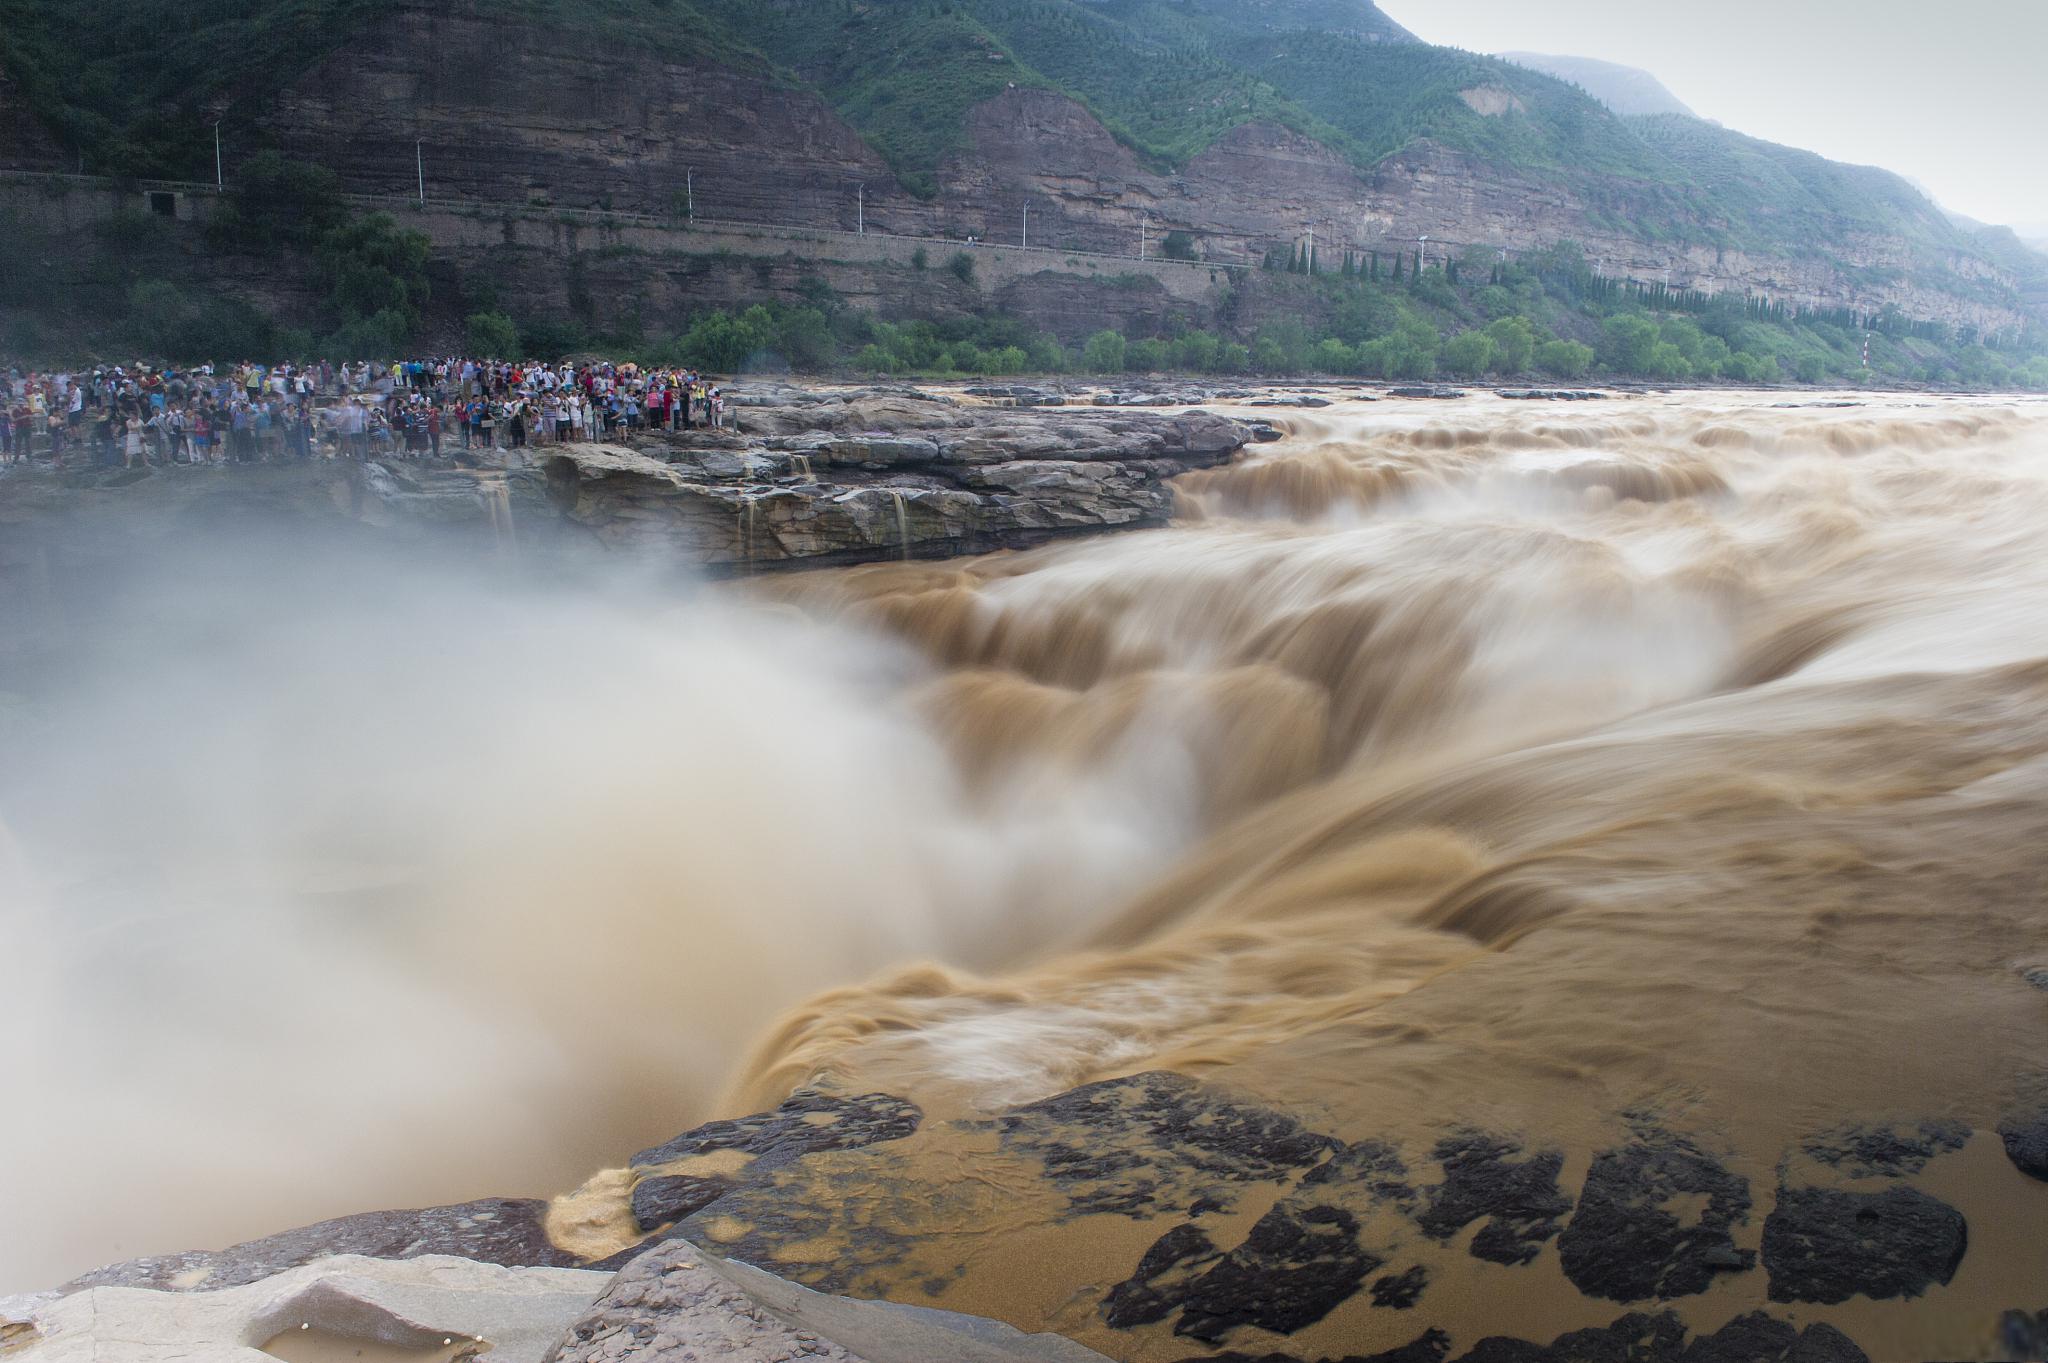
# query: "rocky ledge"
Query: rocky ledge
{"points": [[809, 477], [822, 478]]}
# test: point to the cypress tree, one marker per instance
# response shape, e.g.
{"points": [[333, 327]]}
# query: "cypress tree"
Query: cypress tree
{"points": [[1398, 261]]}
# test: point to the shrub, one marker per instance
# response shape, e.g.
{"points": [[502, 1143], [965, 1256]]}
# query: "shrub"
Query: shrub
{"points": [[491, 335], [962, 266], [1104, 353], [1469, 354], [1564, 359]]}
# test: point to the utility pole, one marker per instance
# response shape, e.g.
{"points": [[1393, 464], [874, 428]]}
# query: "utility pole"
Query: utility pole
{"points": [[860, 212], [1024, 240], [220, 183], [1141, 236], [1421, 254], [690, 193], [419, 157]]}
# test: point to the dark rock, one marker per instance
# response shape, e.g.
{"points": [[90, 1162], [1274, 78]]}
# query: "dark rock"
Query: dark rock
{"points": [[809, 1121], [1292, 1270], [1161, 1281], [1425, 391], [1661, 1338], [1518, 1199], [1625, 1246], [1399, 1291], [1828, 1245], [1634, 1338], [1887, 1151], [1371, 1168], [664, 1200], [1301, 1259], [2023, 1336], [1757, 1338], [1135, 1145], [1432, 1346], [2037, 976], [1549, 394], [2026, 1141]]}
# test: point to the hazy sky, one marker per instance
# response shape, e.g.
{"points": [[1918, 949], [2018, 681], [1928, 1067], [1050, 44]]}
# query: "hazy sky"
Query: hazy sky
{"points": [[1953, 94]]}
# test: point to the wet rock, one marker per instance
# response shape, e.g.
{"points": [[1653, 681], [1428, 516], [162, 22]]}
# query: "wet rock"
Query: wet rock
{"points": [[1828, 1245], [1294, 1268], [1359, 1174], [1758, 1338], [1300, 1261], [1634, 1338], [1432, 1346], [664, 1200], [1425, 391], [2037, 976], [1162, 1279], [2025, 1134], [1887, 1151], [1155, 1141], [1549, 394], [1483, 1180], [1399, 1291], [1640, 1337], [2023, 1336], [1625, 1244], [807, 1122]]}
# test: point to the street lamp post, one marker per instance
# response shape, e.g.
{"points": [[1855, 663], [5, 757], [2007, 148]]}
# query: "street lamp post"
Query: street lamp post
{"points": [[1024, 238], [860, 211], [419, 160], [219, 180], [690, 193], [1421, 253]]}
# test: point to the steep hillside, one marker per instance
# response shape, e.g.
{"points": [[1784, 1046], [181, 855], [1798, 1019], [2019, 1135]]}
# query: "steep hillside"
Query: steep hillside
{"points": [[1242, 125], [1627, 90]]}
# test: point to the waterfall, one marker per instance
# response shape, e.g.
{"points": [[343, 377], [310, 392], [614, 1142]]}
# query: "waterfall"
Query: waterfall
{"points": [[803, 465], [902, 522], [497, 498]]}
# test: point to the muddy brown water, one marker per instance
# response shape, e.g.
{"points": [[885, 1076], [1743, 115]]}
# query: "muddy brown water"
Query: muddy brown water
{"points": [[1682, 755]]}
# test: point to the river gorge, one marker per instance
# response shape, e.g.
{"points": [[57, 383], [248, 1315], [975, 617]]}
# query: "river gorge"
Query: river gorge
{"points": [[1482, 868]]}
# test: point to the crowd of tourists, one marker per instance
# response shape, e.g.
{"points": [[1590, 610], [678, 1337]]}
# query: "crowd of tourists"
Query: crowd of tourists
{"points": [[427, 408]]}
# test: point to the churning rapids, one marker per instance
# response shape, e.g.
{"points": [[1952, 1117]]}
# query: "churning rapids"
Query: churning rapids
{"points": [[1485, 763]]}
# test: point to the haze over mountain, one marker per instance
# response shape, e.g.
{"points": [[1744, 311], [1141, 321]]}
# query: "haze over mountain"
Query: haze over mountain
{"points": [[1625, 89]]}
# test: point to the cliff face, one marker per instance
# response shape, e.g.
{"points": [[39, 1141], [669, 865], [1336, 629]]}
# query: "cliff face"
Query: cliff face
{"points": [[501, 112]]}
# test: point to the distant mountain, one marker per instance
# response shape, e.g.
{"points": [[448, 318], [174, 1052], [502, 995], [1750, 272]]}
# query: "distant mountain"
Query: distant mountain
{"points": [[1239, 127], [1624, 89]]}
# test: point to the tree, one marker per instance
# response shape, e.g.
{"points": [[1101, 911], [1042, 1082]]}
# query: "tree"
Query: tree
{"points": [[1514, 342], [1469, 354], [962, 266], [491, 335], [1104, 352], [1564, 359], [1178, 245]]}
